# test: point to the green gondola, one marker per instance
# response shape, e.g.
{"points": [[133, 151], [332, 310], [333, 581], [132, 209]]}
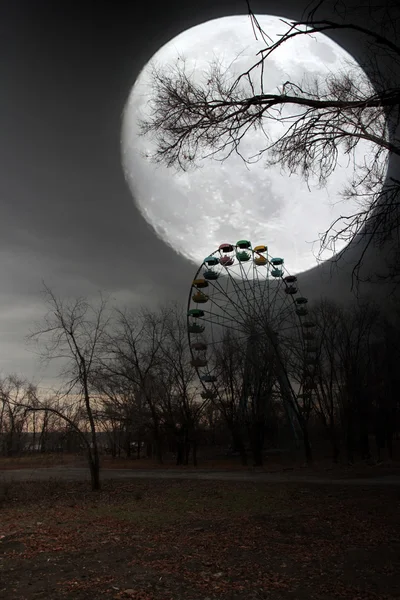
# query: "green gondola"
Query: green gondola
{"points": [[211, 275], [276, 272], [196, 313], [243, 256], [211, 261], [243, 244]]}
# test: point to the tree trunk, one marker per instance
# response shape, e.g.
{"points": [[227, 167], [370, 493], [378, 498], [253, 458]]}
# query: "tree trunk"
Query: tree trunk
{"points": [[179, 452], [258, 443], [10, 444], [94, 466], [94, 451], [186, 448], [307, 447], [157, 439], [390, 444], [159, 450], [243, 454], [43, 434], [95, 474], [238, 445], [258, 457], [363, 430], [149, 449], [113, 449], [364, 446], [336, 450], [34, 433], [194, 452], [350, 441], [127, 445], [334, 442], [187, 452]]}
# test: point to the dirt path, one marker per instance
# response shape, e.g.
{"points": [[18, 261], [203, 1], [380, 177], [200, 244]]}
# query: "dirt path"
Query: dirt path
{"points": [[82, 474]]}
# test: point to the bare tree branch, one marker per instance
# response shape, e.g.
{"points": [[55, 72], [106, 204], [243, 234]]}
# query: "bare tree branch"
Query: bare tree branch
{"points": [[191, 121]]}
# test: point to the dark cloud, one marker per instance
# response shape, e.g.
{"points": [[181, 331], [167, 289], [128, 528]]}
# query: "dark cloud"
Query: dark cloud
{"points": [[66, 213]]}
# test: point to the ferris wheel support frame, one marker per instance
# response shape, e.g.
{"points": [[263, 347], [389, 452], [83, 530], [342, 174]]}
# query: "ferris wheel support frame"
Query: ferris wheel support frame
{"points": [[286, 388]]}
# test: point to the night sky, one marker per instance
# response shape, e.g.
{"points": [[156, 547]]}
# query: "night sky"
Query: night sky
{"points": [[67, 216]]}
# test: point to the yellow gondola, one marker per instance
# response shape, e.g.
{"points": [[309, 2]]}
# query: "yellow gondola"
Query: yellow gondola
{"points": [[200, 298], [200, 283]]}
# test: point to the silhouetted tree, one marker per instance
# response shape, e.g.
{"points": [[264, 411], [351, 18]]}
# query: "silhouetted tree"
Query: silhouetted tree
{"points": [[135, 350], [73, 332]]}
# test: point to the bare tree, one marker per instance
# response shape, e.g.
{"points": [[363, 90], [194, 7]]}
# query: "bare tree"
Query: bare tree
{"points": [[353, 348], [73, 333], [384, 381], [14, 391], [249, 386], [343, 398], [112, 411], [229, 364], [183, 403], [190, 121], [327, 383], [134, 349]]}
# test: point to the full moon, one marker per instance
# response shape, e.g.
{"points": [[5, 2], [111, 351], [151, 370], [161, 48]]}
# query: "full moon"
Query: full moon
{"points": [[197, 210]]}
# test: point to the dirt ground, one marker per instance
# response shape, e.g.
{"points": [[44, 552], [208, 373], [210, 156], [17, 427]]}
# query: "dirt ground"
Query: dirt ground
{"points": [[198, 540]]}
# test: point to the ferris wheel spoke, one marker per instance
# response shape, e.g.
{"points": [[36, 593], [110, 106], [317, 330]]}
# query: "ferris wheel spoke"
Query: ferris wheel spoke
{"points": [[237, 289], [264, 288], [276, 303], [288, 308], [257, 287], [277, 293], [219, 322], [241, 291], [222, 292], [228, 298], [289, 326], [245, 279], [227, 324], [236, 339], [222, 307]]}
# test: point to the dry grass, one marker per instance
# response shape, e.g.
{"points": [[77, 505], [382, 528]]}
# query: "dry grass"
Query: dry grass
{"points": [[191, 540]]}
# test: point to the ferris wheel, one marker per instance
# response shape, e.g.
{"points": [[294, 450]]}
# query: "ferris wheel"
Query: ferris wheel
{"points": [[243, 293]]}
